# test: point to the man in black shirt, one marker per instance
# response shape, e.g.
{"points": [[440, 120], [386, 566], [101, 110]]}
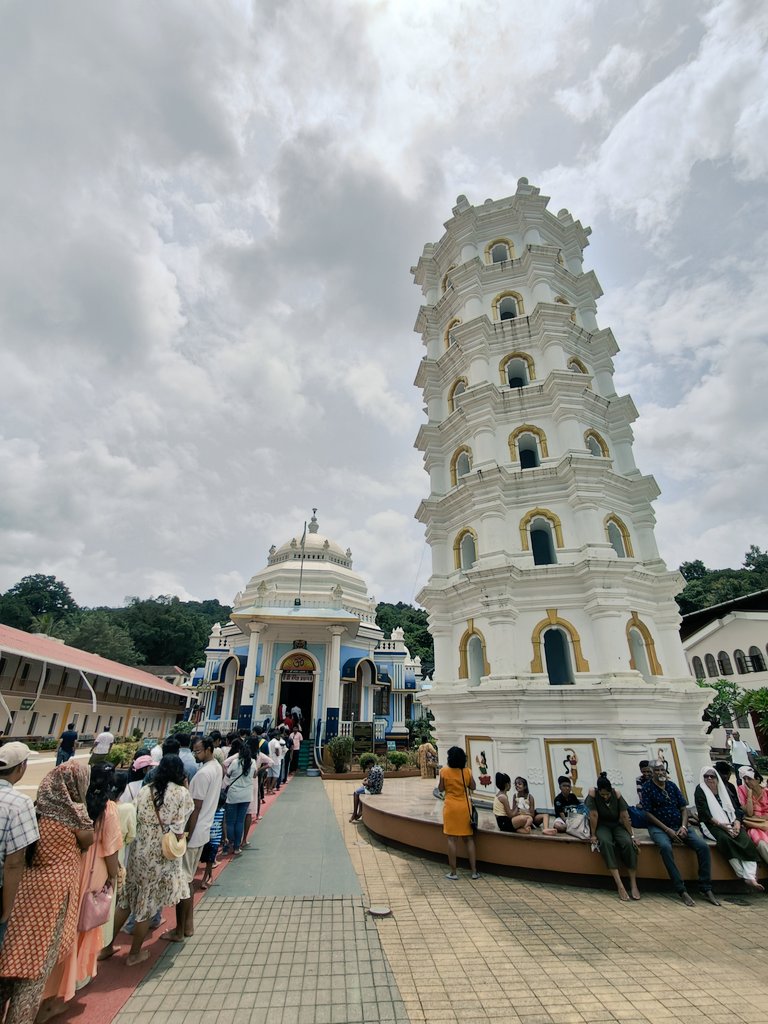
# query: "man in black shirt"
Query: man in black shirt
{"points": [[67, 744], [564, 799]]}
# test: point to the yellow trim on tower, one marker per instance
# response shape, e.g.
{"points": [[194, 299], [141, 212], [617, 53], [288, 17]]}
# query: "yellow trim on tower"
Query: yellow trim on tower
{"points": [[457, 545], [553, 619], [463, 646], [528, 360], [507, 295], [499, 241], [598, 437], [444, 281], [575, 361], [527, 428], [621, 527], [650, 647], [544, 513], [454, 323], [452, 392], [455, 459]]}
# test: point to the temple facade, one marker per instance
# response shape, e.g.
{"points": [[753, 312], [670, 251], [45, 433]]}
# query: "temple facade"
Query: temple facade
{"points": [[557, 646], [304, 633]]}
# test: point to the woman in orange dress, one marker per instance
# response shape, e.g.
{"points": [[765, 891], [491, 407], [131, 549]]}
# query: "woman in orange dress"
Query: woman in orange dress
{"points": [[43, 928], [457, 783], [99, 864]]}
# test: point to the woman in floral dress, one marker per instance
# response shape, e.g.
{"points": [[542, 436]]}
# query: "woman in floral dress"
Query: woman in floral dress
{"points": [[152, 881]]}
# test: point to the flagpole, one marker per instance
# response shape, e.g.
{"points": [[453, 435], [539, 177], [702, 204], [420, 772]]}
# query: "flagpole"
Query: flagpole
{"points": [[297, 602]]}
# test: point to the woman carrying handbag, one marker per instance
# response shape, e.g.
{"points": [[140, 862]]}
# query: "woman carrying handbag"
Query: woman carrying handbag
{"points": [[459, 815]]}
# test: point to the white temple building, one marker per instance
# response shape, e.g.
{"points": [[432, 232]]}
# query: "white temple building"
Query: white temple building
{"points": [[303, 633], [557, 646]]}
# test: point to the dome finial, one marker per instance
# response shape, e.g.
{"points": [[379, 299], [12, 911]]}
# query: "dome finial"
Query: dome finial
{"points": [[313, 527]]}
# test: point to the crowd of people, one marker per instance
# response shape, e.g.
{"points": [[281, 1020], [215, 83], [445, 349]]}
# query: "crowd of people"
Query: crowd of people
{"points": [[100, 851], [734, 818]]}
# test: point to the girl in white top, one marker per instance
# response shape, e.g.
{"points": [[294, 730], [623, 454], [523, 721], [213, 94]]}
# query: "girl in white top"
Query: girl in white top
{"points": [[523, 802]]}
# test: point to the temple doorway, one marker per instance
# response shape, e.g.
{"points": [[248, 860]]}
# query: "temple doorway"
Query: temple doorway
{"points": [[297, 688]]}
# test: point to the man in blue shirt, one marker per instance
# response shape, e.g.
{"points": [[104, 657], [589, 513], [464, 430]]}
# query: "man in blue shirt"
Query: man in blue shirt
{"points": [[667, 813]]}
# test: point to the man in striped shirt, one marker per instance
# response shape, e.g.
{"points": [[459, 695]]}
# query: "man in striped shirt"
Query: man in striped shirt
{"points": [[18, 826]]}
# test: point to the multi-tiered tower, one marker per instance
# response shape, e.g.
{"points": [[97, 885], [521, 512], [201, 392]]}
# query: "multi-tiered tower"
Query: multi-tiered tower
{"points": [[553, 616]]}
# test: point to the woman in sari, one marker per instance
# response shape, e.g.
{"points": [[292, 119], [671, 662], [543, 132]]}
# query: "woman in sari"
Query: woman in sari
{"points": [[721, 821], [754, 802], [43, 928], [427, 759]]}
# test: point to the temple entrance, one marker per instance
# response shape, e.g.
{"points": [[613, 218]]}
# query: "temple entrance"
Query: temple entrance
{"points": [[297, 688]]}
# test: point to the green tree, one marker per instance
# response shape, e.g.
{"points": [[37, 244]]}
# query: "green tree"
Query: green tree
{"points": [[413, 621], [96, 631], [49, 624], [165, 630], [35, 595], [705, 587]]}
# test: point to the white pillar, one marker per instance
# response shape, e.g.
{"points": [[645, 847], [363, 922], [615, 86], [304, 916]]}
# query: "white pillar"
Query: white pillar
{"points": [[333, 678], [249, 679]]}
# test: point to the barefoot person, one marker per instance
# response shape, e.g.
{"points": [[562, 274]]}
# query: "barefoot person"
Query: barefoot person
{"points": [[151, 880], [611, 828], [722, 821]]}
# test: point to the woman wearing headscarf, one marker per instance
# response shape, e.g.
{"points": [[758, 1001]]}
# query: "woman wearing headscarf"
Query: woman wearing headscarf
{"points": [[43, 928], [152, 881], [99, 865], [720, 821], [754, 802]]}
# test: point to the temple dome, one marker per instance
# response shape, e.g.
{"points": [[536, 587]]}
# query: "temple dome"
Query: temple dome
{"points": [[317, 547]]}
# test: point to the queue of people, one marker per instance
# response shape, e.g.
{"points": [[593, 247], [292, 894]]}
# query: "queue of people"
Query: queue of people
{"points": [[101, 850]]}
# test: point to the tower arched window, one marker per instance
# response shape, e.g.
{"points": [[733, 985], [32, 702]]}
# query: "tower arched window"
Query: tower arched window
{"points": [[473, 660], [457, 388], [465, 549], [528, 445], [642, 649], [548, 531], [698, 669], [449, 338], [756, 659], [461, 464], [507, 306], [575, 365], [499, 250], [709, 661], [557, 658], [724, 663], [557, 649], [444, 283], [741, 662], [618, 536], [596, 445], [516, 370]]}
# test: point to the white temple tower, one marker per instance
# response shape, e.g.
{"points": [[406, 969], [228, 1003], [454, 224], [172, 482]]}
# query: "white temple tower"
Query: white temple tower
{"points": [[554, 620]]}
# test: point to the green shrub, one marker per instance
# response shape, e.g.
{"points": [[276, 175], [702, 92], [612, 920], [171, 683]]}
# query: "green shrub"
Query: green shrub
{"points": [[397, 759], [181, 727], [137, 733], [366, 760], [121, 753], [340, 750]]}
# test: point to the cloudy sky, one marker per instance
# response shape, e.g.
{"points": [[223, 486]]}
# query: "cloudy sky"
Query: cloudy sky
{"points": [[208, 213]]}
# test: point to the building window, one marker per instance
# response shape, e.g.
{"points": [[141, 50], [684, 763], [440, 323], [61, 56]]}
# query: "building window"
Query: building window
{"points": [[557, 658], [473, 662], [449, 337], [32, 724], [618, 536], [465, 549], [711, 664], [350, 701], [542, 543], [528, 446], [381, 701], [516, 370], [756, 660], [541, 519], [25, 670], [724, 664], [642, 649], [499, 250], [507, 306], [445, 282], [52, 726], [461, 464], [457, 388], [596, 444], [576, 366], [698, 669], [741, 662]]}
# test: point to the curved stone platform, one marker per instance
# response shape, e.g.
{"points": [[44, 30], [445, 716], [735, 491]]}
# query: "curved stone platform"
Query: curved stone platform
{"points": [[407, 813]]}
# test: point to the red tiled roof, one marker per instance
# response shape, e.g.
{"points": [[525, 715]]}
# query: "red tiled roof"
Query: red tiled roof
{"points": [[42, 648]]}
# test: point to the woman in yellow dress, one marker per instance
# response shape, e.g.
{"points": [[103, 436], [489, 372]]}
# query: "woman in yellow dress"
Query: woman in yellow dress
{"points": [[457, 783]]}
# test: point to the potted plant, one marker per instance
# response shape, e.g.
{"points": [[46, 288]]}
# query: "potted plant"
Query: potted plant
{"points": [[397, 759], [340, 750], [366, 760]]}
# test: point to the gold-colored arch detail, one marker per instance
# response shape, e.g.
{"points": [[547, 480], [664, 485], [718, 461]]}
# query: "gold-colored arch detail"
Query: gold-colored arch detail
{"points": [[452, 392], [454, 460], [654, 664], [527, 428], [444, 280], [466, 531], [622, 528], [508, 295], [528, 360], [454, 323], [463, 648], [575, 361], [600, 441], [553, 619], [499, 241], [540, 513]]}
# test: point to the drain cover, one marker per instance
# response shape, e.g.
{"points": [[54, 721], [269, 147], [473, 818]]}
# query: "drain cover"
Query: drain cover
{"points": [[379, 910]]}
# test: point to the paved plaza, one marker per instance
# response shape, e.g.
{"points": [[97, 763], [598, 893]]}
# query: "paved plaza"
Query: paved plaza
{"points": [[284, 938]]}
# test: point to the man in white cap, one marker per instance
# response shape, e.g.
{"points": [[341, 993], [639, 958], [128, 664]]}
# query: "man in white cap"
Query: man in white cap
{"points": [[18, 826]]}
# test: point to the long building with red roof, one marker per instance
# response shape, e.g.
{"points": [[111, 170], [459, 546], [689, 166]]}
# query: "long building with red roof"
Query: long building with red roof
{"points": [[45, 684]]}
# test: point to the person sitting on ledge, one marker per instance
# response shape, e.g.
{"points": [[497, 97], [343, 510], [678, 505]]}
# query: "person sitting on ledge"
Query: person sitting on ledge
{"points": [[523, 802], [506, 819], [565, 798], [722, 821], [372, 786], [612, 830]]}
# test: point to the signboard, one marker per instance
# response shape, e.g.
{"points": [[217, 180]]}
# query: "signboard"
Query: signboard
{"points": [[27, 703], [298, 677], [391, 745], [362, 735], [298, 662]]}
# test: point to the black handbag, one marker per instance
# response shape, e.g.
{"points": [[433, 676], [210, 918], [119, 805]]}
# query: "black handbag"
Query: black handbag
{"points": [[473, 819]]}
